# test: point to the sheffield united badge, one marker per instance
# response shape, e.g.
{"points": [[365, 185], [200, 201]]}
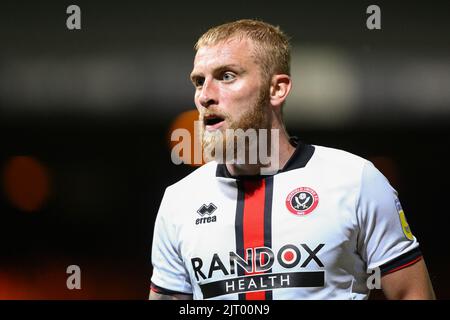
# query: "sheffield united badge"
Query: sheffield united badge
{"points": [[302, 201]]}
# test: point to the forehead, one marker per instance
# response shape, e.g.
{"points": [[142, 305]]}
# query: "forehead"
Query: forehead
{"points": [[233, 51]]}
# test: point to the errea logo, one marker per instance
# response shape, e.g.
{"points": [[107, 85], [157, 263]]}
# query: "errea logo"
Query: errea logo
{"points": [[205, 211]]}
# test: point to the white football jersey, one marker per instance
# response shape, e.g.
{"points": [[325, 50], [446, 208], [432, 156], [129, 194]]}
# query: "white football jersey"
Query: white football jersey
{"points": [[311, 231]]}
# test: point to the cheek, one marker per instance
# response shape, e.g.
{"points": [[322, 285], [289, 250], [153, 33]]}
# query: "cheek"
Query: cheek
{"points": [[239, 96]]}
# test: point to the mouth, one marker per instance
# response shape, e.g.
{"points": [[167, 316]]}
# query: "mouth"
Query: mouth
{"points": [[213, 122]]}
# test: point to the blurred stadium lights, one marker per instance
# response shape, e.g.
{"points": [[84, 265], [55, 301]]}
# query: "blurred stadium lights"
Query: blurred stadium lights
{"points": [[335, 87], [108, 84], [325, 87], [331, 86]]}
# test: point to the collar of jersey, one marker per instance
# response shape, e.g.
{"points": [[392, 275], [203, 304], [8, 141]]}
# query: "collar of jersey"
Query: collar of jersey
{"points": [[302, 154]]}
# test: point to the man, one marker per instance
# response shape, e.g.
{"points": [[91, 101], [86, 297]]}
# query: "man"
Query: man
{"points": [[312, 229]]}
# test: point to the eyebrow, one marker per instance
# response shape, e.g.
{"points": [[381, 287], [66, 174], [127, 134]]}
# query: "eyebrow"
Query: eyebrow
{"points": [[220, 68]]}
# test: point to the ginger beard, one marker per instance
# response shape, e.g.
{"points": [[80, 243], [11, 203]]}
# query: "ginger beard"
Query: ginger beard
{"points": [[255, 117]]}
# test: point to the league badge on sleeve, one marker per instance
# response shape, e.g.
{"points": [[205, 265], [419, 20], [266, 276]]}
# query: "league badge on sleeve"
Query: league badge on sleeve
{"points": [[302, 201], [405, 226]]}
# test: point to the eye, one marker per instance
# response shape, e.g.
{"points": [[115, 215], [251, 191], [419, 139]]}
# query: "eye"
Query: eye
{"points": [[198, 82], [228, 76]]}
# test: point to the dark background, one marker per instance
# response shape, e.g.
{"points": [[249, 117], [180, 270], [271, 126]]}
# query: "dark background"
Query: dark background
{"points": [[93, 107]]}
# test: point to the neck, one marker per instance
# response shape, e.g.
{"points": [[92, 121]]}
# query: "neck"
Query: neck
{"points": [[285, 151]]}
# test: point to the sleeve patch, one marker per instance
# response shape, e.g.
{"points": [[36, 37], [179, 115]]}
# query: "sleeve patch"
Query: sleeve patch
{"points": [[405, 226]]}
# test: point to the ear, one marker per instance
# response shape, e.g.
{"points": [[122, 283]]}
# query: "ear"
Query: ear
{"points": [[280, 87]]}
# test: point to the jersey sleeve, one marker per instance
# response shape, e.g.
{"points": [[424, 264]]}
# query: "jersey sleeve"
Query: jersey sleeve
{"points": [[169, 272], [385, 239]]}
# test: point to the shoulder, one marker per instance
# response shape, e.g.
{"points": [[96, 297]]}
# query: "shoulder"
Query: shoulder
{"points": [[338, 160], [350, 169]]}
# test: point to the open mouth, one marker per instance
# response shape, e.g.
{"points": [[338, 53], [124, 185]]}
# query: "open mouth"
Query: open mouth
{"points": [[213, 121]]}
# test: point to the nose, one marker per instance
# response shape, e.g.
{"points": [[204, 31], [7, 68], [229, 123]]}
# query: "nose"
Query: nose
{"points": [[208, 94]]}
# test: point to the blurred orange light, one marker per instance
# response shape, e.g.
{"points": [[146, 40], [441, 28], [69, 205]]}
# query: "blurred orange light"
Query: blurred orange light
{"points": [[26, 183], [186, 121]]}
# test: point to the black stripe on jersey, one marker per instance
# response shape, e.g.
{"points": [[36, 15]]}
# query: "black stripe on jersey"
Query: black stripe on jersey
{"points": [[268, 222], [402, 261], [268, 213], [239, 228]]}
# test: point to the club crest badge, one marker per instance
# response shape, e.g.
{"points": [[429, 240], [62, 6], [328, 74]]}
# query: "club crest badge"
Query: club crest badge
{"points": [[302, 201]]}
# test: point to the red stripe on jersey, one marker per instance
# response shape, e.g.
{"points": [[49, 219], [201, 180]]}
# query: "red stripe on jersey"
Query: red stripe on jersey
{"points": [[253, 224]]}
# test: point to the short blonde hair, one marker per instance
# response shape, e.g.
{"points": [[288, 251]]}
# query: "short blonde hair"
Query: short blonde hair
{"points": [[272, 48]]}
